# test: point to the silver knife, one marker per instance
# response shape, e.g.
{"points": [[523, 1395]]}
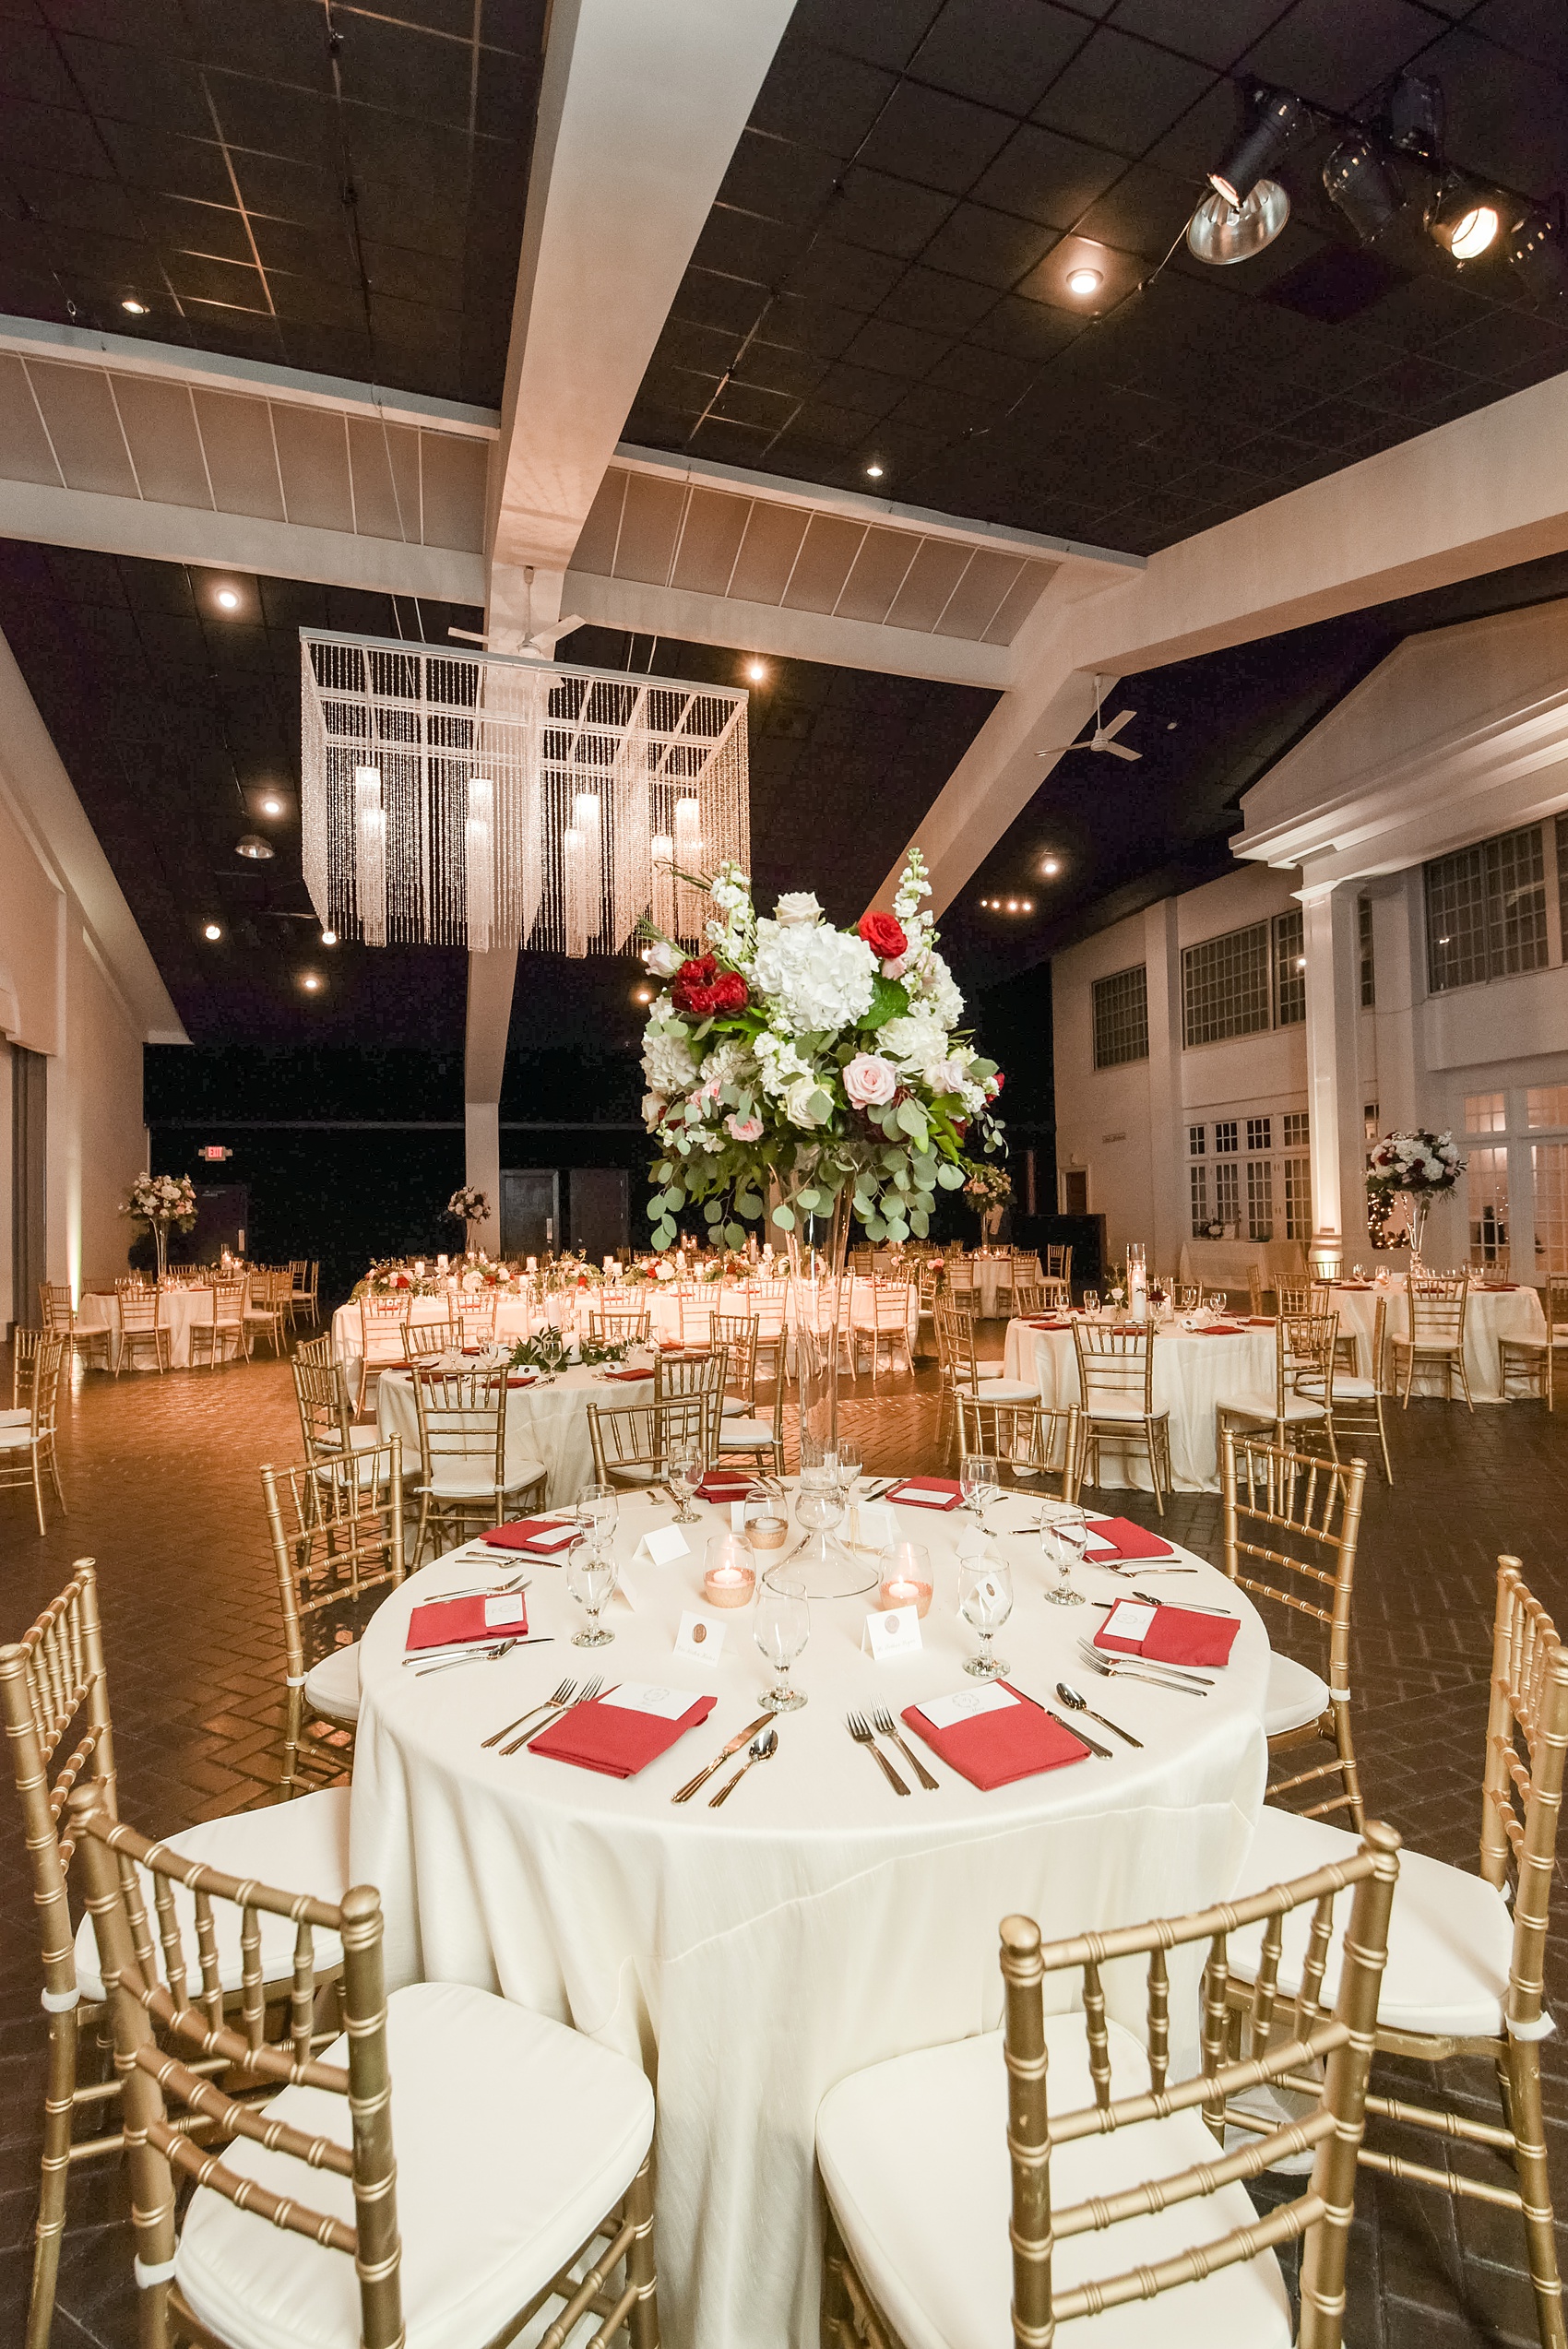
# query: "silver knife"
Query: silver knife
{"points": [[752, 1729]]}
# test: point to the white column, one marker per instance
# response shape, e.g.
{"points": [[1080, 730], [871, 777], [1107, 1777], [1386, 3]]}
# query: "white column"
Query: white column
{"points": [[491, 978], [1163, 965], [1333, 1079]]}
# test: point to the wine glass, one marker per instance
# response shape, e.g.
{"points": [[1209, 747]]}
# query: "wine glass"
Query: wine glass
{"points": [[1091, 1300], [978, 1481], [590, 1578], [781, 1629], [599, 1506], [849, 1461], [1063, 1536], [684, 1466], [985, 1601]]}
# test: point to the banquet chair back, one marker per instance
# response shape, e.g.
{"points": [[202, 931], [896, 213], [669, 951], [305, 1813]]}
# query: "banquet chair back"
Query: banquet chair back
{"points": [[27, 1446], [382, 1323], [316, 1350], [737, 1332], [1438, 1308], [694, 1310], [423, 1339], [1303, 1398], [880, 1316], [1355, 1404], [336, 1532], [1535, 1359], [1492, 1263], [54, 1697], [474, 1319], [304, 1289], [142, 1324], [769, 1300], [227, 1304], [1130, 2082], [1034, 1440], [462, 1422], [1298, 1297], [701, 1376], [321, 1390], [618, 1325], [863, 1263], [632, 1440], [1291, 1523], [270, 1304], [1058, 1261], [1116, 1396]]}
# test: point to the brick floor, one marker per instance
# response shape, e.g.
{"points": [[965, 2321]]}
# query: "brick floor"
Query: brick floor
{"points": [[160, 1477]]}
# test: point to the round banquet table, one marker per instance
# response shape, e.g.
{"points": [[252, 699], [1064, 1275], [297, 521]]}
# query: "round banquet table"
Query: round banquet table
{"points": [[1489, 1314], [749, 1957], [1193, 1371], [543, 1422], [181, 1307]]}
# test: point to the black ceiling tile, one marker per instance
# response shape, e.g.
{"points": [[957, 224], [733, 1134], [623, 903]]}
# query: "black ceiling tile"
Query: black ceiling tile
{"points": [[1044, 176], [325, 250], [291, 124], [215, 229], [1216, 33], [272, 38], [518, 25], [1336, 58], [1498, 341], [274, 185], [1504, 113], [889, 215], [428, 160], [835, 428], [64, 200], [826, 329], [823, 100], [1122, 93], [941, 305], [1335, 423], [406, 71], [898, 351], [1540, 34], [138, 85], [740, 245], [1207, 131], [390, 212], [883, 32], [686, 343], [1145, 212], [1422, 313], [1469, 394], [412, 277], [1027, 329], [776, 367], [990, 375], [851, 275], [867, 389], [506, 97], [923, 409], [936, 139], [32, 68], [742, 403], [195, 278], [1000, 52], [778, 177], [59, 139], [995, 248], [726, 443]]}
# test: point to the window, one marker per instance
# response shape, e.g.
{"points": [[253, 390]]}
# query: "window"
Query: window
{"points": [[1370, 1114], [1289, 970], [1260, 1134], [1121, 1018], [1225, 986], [1195, 1140], [1227, 1194], [1298, 1198], [1198, 1177], [1486, 911], [1260, 1199], [1549, 1164], [1365, 942], [1484, 1113], [1224, 1134], [1546, 1105], [1486, 1176], [1297, 1127]]}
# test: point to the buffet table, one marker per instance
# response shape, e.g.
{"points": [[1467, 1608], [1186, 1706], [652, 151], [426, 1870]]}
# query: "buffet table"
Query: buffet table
{"points": [[753, 1955], [1194, 1370]]}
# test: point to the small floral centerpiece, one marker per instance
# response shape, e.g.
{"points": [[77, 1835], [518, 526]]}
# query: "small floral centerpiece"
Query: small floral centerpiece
{"points": [[550, 1352], [158, 1200], [470, 1208], [1421, 1165], [991, 1188]]}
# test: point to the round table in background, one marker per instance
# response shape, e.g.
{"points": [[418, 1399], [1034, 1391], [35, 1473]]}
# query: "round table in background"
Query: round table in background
{"points": [[749, 1957], [1193, 1372], [99, 1310], [545, 1422], [1489, 1314]]}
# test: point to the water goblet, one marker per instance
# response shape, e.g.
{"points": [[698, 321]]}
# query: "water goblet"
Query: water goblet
{"points": [[683, 1466], [598, 1507], [782, 1628], [849, 1461], [979, 1481], [1091, 1300], [1063, 1536], [985, 1601], [590, 1579]]}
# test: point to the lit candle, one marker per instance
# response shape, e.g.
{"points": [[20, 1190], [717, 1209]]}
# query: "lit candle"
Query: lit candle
{"points": [[533, 1263], [440, 1263], [906, 1579], [729, 1579], [419, 1266]]}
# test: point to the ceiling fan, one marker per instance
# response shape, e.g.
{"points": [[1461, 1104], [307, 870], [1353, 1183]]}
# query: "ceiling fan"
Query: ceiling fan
{"points": [[1103, 736], [539, 644]]}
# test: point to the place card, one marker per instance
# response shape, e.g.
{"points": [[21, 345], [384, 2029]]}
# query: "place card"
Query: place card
{"points": [[878, 1526], [508, 1608], [624, 1589], [945, 1712], [662, 1546], [1128, 1620], [701, 1636], [652, 1697], [890, 1632]]}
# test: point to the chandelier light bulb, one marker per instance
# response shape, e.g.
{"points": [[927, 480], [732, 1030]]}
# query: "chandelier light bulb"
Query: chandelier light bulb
{"points": [[272, 804], [756, 670], [1049, 867], [329, 937], [311, 982], [873, 471]]}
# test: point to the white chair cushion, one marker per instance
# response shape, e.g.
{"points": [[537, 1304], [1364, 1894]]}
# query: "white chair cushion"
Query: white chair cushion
{"points": [[21, 1417], [1295, 1696], [17, 1437], [1349, 1387], [1006, 1389], [1119, 1407], [1449, 1942], [744, 1434], [1297, 1407], [457, 1481], [301, 1846], [733, 1407], [487, 2210], [914, 2157], [332, 1687]]}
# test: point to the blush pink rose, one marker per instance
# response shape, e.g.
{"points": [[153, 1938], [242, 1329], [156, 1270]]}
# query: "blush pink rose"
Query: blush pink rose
{"points": [[870, 1081], [743, 1129]]}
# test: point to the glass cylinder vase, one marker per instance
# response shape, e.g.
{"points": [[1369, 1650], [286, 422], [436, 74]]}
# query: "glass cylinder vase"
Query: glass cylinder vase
{"points": [[1418, 1206], [161, 1245], [817, 1252]]}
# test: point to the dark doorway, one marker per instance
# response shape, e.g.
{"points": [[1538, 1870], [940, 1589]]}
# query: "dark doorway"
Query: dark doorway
{"points": [[530, 1211], [597, 1208], [222, 1214], [29, 1127]]}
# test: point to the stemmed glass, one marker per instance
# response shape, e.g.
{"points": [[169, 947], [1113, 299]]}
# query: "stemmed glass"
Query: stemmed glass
{"points": [[1063, 1536], [598, 1507], [684, 1466], [979, 1481], [850, 1460], [782, 1628], [985, 1601], [590, 1578], [1091, 1300]]}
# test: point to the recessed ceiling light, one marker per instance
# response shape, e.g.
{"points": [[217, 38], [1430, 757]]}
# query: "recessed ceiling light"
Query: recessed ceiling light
{"points": [[253, 847], [1171, 724], [1083, 280], [642, 994], [329, 937], [137, 309], [212, 929], [228, 599], [272, 804], [1012, 905], [756, 670], [1049, 867], [311, 981], [873, 471], [1027, 904]]}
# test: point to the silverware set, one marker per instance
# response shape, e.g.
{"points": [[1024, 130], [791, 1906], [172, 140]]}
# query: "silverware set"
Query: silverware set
{"points": [[561, 1700], [866, 1734], [761, 1749], [1138, 1668], [489, 1655], [1075, 1703], [752, 1729]]}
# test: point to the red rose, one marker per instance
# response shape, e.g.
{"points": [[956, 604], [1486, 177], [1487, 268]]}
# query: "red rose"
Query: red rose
{"points": [[730, 992], [884, 936], [995, 1086], [693, 980]]}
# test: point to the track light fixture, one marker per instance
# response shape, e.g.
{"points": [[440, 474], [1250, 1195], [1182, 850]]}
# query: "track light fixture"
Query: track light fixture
{"points": [[1278, 120], [1463, 220], [1414, 117], [1220, 232], [1358, 181], [1538, 251]]}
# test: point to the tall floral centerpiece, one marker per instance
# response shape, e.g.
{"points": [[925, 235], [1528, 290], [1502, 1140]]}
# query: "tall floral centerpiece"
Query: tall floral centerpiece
{"points": [[1422, 1166], [991, 1188], [802, 1076], [470, 1208], [158, 1200]]}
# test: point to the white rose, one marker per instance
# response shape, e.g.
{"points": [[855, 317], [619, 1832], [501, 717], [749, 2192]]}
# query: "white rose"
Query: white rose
{"points": [[798, 1102], [662, 959], [797, 906], [818, 977]]}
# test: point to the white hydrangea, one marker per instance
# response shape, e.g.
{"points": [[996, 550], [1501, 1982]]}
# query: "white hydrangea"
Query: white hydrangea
{"points": [[939, 990], [728, 1062], [813, 977], [778, 1062], [668, 1063], [917, 1039]]}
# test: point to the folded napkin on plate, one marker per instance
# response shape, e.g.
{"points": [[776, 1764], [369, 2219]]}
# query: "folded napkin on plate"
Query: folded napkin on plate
{"points": [[641, 1377], [615, 1738], [1126, 1540], [1497, 1288], [993, 1749], [926, 1492], [725, 1489], [1031, 1322], [1219, 1329], [1168, 1634], [541, 1537], [1260, 1321], [523, 1378], [449, 1622]]}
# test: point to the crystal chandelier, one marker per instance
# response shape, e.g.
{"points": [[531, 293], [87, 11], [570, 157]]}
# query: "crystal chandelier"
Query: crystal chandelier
{"points": [[484, 800]]}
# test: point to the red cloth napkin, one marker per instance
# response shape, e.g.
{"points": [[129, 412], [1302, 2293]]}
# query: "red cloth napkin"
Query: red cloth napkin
{"points": [[933, 1485], [994, 1749], [1497, 1288], [1131, 1541], [1034, 1324], [606, 1737], [1177, 1636], [445, 1623], [521, 1536], [725, 1489], [523, 1378], [642, 1377], [1260, 1321], [1217, 1329]]}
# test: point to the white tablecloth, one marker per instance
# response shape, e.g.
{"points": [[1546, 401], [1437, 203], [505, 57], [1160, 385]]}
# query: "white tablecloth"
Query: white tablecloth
{"points": [[548, 1423], [1489, 1315], [1224, 1263], [753, 1956], [181, 1307], [1191, 1374], [991, 1272]]}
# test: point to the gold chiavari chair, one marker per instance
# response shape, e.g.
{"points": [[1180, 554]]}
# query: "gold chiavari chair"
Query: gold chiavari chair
{"points": [[1303, 1383], [315, 1350], [55, 1699], [1355, 1405], [750, 1434], [304, 1277], [227, 1316], [1059, 1261], [632, 1442], [337, 1530], [424, 1340], [1535, 1359], [465, 1479], [1116, 1397], [961, 1285], [1464, 1975], [1319, 1297], [58, 1313], [965, 1372], [1296, 1298], [769, 1300], [1492, 1264], [616, 1325], [701, 1376], [475, 1318], [352, 2154], [27, 1432], [1291, 1522], [694, 1302], [1119, 2188], [1435, 1337], [382, 1320], [863, 1263], [737, 1332], [327, 1422], [887, 1303], [1027, 1265], [1029, 1297], [268, 1306], [143, 1322], [1033, 1440]]}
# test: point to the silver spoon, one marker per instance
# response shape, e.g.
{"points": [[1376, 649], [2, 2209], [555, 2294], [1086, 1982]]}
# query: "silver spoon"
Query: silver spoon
{"points": [[1075, 1703], [761, 1749], [478, 1656]]}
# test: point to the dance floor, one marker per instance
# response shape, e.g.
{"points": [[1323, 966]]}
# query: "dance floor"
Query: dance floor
{"points": [[160, 1477]]}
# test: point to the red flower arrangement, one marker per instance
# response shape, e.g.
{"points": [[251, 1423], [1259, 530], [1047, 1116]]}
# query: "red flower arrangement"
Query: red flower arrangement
{"points": [[884, 936], [702, 989]]}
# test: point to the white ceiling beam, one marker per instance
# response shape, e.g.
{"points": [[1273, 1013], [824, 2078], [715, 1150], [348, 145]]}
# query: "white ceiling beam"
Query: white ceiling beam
{"points": [[1472, 496]]}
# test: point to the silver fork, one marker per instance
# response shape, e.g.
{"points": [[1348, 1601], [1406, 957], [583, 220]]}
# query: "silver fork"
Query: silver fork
{"points": [[882, 1722], [860, 1729], [1130, 1672], [475, 1656], [585, 1695], [563, 1695]]}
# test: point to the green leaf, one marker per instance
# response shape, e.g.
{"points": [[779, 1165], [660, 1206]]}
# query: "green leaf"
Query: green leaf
{"points": [[911, 1117], [714, 1212], [747, 1203], [877, 1228], [675, 1196], [807, 1199], [950, 1177], [889, 1000], [785, 1218], [735, 1235], [821, 1106], [920, 1223]]}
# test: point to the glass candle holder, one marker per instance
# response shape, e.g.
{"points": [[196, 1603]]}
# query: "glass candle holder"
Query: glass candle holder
{"points": [[905, 1577], [729, 1576], [768, 1532]]}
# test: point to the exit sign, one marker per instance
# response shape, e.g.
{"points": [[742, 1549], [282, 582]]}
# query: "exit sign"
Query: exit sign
{"points": [[214, 1151]]}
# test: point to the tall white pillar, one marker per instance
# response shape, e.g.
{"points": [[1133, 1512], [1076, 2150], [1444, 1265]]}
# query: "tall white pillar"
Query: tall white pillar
{"points": [[1168, 1173], [491, 978], [1333, 1080]]}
